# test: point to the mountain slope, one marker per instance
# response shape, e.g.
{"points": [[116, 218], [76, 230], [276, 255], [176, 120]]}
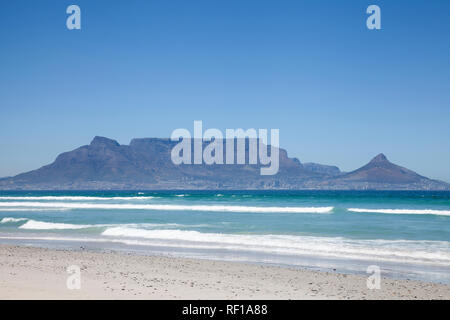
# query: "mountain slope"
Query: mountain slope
{"points": [[380, 173], [380, 169], [322, 168]]}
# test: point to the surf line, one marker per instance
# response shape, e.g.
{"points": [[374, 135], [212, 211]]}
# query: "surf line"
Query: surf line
{"points": [[214, 152]]}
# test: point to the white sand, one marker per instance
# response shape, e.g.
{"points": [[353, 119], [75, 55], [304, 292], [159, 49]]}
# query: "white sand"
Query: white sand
{"points": [[37, 273]]}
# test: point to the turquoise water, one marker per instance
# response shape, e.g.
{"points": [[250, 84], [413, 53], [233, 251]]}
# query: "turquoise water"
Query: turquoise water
{"points": [[407, 234]]}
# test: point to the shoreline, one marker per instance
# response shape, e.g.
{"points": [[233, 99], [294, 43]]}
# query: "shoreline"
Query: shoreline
{"points": [[41, 273]]}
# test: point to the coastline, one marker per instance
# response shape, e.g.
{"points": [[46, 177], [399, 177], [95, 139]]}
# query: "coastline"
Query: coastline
{"points": [[41, 273]]}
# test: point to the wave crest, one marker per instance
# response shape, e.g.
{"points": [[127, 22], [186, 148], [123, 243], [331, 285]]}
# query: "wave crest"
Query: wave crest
{"points": [[9, 220], [73, 198], [389, 250], [40, 225], [169, 207], [403, 211]]}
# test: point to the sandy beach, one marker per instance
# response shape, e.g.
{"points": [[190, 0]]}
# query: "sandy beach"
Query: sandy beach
{"points": [[39, 273]]}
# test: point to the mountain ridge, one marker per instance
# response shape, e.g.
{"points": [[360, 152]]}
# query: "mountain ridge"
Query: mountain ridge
{"points": [[145, 163]]}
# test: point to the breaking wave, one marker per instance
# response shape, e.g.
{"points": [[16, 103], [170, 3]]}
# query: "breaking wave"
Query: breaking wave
{"points": [[40, 225], [403, 211], [75, 198], [168, 207], [9, 220], [388, 250]]}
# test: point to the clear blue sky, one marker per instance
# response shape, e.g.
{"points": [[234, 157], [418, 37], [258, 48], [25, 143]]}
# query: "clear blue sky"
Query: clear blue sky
{"points": [[338, 92]]}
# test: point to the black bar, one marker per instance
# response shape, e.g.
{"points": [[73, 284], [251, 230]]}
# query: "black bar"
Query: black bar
{"points": [[234, 309]]}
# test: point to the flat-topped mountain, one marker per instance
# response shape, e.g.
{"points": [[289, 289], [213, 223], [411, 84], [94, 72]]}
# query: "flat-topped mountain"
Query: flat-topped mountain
{"points": [[146, 164]]}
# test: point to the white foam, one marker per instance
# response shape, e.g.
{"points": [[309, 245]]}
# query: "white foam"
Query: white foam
{"points": [[40, 225], [74, 198], [387, 250], [8, 219], [34, 224], [136, 242], [403, 211], [31, 209], [433, 253], [168, 207]]}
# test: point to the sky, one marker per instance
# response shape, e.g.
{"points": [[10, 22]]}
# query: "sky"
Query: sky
{"points": [[338, 92]]}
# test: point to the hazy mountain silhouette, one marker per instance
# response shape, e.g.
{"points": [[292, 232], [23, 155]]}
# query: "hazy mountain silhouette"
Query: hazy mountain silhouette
{"points": [[146, 164], [380, 170], [380, 173]]}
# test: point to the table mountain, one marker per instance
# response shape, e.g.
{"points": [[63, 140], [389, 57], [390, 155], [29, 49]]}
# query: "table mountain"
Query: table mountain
{"points": [[146, 164]]}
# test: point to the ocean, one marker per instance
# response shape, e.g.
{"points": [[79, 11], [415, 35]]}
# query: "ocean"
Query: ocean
{"points": [[405, 233]]}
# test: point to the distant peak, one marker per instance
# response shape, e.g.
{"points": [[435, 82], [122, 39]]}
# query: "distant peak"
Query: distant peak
{"points": [[379, 158], [97, 141]]}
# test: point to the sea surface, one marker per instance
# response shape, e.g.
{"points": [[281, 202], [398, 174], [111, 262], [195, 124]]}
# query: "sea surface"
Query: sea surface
{"points": [[406, 234]]}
